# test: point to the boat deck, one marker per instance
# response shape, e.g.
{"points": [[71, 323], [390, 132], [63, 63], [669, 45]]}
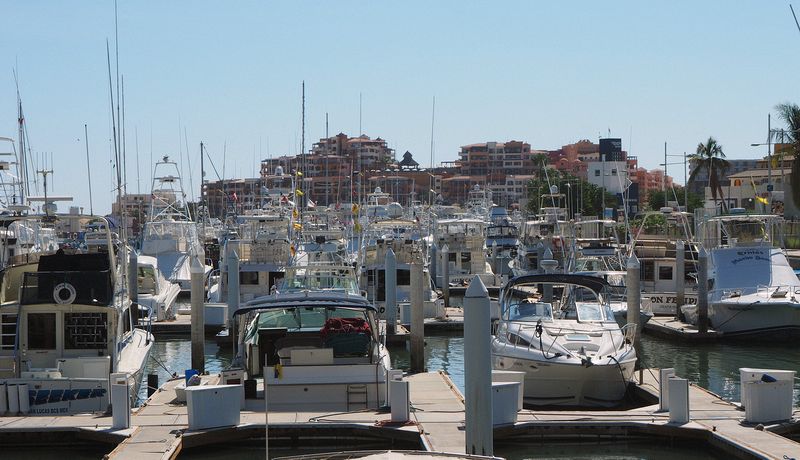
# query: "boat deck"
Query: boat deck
{"points": [[160, 428], [670, 327]]}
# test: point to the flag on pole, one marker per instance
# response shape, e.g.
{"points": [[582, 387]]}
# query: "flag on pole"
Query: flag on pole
{"points": [[311, 204], [299, 192]]}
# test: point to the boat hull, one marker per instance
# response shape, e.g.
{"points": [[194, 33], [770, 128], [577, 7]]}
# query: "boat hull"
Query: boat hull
{"points": [[562, 382]]}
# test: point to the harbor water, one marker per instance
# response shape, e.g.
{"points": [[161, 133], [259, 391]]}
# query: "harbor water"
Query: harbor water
{"points": [[713, 366]]}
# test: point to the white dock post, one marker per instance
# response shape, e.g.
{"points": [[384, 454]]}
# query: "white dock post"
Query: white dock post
{"points": [[417, 319], [133, 284], [233, 284], [391, 292], [24, 399], [548, 265], [433, 268], [478, 370], [13, 399], [120, 401], [198, 315], [680, 276], [634, 294], [495, 267], [663, 388], [3, 399], [678, 400], [702, 291], [446, 275]]}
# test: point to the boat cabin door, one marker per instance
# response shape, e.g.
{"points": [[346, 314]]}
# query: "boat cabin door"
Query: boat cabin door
{"points": [[39, 339]]}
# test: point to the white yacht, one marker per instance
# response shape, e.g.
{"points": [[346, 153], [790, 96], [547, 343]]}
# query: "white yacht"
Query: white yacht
{"points": [[318, 341], [156, 294], [503, 235], [753, 291], [466, 243], [549, 230], [170, 235], [560, 331], [66, 326]]}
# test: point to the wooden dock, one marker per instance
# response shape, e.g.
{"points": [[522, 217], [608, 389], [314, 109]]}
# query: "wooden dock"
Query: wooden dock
{"points": [[160, 428], [673, 328]]}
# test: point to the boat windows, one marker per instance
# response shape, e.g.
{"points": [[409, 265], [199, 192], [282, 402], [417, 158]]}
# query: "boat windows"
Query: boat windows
{"points": [[248, 278], [84, 331], [8, 331], [648, 270], [589, 311], [403, 277], [305, 318], [664, 273], [41, 331], [530, 310], [146, 280]]}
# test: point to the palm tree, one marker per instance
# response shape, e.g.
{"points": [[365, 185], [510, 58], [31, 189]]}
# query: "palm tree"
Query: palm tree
{"points": [[790, 113], [709, 156]]}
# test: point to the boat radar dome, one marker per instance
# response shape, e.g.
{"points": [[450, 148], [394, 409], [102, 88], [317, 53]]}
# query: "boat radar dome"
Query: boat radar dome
{"points": [[279, 171], [553, 189], [394, 210]]}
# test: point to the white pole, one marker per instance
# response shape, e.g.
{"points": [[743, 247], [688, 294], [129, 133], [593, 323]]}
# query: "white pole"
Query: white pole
{"points": [[478, 370], [433, 265], [198, 315], [233, 284], [680, 276], [417, 319], [446, 275], [702, 290], [391, 291], [634, 294]]}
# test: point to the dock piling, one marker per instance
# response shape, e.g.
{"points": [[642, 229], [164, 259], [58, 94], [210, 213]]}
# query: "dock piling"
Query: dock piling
{"points": [[702, 291], [233, 284], [478, 370], [152, 384], [433, 268], [446, 275], [198, 315], [634, 295], [680, 276], [133, 284], [120, 401], [417, 319], [391, 292], [495, 267]]}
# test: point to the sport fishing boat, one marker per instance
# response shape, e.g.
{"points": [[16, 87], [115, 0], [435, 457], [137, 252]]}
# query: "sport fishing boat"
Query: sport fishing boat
{"points": [[156, 294], [560, 331], [170, 235], [753, 291], [547, 231], [67, 325], [502, 240], [318, 341]]}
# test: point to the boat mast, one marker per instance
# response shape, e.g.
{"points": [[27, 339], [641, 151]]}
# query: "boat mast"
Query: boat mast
{"points": [[88, 169]]}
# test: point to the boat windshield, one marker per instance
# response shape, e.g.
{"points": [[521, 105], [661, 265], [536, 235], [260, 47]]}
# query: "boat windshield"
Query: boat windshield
{"points": [[530, 310], [297, 319]]}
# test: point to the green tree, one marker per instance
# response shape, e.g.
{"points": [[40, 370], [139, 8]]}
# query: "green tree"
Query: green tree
{"points": [[710, 157], [655, 199], [790, 114]]}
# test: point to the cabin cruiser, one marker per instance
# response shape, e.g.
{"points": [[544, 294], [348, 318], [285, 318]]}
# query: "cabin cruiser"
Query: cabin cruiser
{"points": [[156, 295], [560, 331], [67, 325], [403, 238], [753, 291], [502, 241], [549, 230], [170, 235], [315, 341], [465, 239]]}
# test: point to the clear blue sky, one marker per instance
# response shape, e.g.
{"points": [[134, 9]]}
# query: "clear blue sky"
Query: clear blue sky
{"points": [[549, 73]]}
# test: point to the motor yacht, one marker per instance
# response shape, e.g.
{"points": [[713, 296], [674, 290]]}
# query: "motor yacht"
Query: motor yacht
{"points": [[559, 329]]}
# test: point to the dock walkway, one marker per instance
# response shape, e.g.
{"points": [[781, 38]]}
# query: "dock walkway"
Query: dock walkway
{"points": [[160, 428]]}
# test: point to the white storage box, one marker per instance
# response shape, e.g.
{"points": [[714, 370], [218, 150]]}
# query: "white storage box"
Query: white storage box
{"points": [[768, 401], [749, 375], [212, 406], [511, 376], [505, 396]]}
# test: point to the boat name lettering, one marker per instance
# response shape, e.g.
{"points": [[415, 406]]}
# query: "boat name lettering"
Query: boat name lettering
{"points": [[672, 300]]}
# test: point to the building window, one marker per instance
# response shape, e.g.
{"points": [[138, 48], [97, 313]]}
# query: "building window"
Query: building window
{"points": [[665, 273], [614, 172], [596, 173]]}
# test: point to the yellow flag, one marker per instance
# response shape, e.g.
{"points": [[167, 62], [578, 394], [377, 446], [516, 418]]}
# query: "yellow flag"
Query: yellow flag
{"points": [[299, 174], [298, 226], [355, 208], [299, 192], [357, 227], [295, 214], [292, 250], [762, 200]]}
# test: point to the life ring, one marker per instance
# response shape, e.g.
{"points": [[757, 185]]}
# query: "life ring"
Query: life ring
{"points": [[58, 293]]}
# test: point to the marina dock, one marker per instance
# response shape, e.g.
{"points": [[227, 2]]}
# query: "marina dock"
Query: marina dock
{"points": [[159, 429]]}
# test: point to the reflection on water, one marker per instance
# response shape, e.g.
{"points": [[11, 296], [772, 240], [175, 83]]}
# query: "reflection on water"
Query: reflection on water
{"points": [[73, 452], [714, 366]]}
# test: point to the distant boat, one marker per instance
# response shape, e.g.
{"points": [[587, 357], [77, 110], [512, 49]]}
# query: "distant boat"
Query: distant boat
{"points": [[170, 235]]}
